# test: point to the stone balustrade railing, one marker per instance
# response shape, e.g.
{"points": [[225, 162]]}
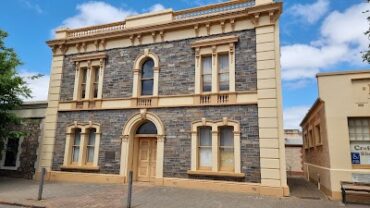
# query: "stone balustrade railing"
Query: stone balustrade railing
{"points": [[88, 31], [179, 15], [228, 6]]}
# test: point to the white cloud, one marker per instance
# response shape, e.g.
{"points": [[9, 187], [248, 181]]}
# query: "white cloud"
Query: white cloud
{"points": [[39, 87], [32, 6], [156, 8], [341, 41], [310, 13], [99, 12], [96, 12], [293, 116]]}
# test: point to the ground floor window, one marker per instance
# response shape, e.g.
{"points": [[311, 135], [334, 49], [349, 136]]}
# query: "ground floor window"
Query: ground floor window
{"points": [[226, 148], [359, 134], [11, 153], [205, 147], [216, 146], [82, 145]]}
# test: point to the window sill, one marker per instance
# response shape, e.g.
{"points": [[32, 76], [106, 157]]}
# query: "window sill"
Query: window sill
{"points": [[74, 167], [222, 174]]}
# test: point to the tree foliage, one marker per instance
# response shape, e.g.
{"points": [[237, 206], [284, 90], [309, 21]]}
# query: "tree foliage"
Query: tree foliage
{"points": [[13, 88]]}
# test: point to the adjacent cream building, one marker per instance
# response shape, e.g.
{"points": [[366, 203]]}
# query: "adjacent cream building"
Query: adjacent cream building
{"points": [[336, 131], [293, 152]]}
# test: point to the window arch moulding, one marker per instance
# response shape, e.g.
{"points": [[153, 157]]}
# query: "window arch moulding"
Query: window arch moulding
{"points": [[137, 98]]}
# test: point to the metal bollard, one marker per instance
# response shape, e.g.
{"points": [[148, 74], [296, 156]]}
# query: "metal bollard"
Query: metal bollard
{"points": [[129, 194], [41, 185]]}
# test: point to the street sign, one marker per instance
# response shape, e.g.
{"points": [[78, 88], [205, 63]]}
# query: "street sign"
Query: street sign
{"points": [[355, 158]]}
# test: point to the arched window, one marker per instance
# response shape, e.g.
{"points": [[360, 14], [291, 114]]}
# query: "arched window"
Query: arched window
{"points": [[205, 147], [76, 145], [147, 77], [82, 146], [91, 145], [226, 148], [147, 128]]}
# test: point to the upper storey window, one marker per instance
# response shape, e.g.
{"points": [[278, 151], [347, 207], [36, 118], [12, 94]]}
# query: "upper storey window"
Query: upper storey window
{"points": [[147, 77], [83, 80], [95, 81], [223, 72], [89, 77], [215, 65], [207, 73]]}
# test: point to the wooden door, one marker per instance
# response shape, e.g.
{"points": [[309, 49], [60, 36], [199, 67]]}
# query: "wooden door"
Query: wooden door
{"points": [[147, 159]]}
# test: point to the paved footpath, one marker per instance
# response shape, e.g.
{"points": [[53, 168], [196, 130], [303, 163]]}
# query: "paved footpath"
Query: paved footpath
{"points": [[70, 195]]}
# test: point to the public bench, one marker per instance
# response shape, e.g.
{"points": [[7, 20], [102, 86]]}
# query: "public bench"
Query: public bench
{"points": [[360, 188]]}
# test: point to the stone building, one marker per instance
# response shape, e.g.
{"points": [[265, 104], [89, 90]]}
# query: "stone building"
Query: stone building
{"points": [[293, 152], [181, 98], [19, 155], [336, 131]]}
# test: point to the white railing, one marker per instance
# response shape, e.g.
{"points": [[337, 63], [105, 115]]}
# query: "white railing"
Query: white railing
{"points": [[223, 98], [205, 99], [145, 102], [187, 14], [88, 31]]}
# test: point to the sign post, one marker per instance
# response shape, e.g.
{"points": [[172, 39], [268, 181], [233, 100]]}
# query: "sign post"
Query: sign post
{"points": [[129, 194], [41, 185]]}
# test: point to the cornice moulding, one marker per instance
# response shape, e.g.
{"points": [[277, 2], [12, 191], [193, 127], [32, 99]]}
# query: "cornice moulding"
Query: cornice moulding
{"points": [[174, 25]]}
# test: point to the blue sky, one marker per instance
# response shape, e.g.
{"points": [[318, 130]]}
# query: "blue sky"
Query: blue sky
{"points": [[316, 36]]}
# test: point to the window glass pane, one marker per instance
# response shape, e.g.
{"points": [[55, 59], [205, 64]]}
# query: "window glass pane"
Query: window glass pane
{"points": [[92, 133], [223, 63], [11, 152], [207, 83], [90, 154], [84, 75], [147, 69], [83, 82], [77, 138], [207, 65], [75, 153], [205, 136], [96, 74], [224, 82], [147, 87], [227, 158], [205, 156], [147, 128], [227, 136]]}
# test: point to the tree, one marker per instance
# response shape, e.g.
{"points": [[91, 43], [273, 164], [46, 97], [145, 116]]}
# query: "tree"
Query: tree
{"points": [[13, 88], [366, 55]]}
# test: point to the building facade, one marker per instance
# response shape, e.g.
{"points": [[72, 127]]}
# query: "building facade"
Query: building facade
{"points": [[293, 152], [183, 98], [18, 157], [336, 131]]}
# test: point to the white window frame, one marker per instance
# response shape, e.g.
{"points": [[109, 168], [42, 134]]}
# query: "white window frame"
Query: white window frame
{"points": [[90, 62], [215, 144], [214, 47], [136, 89], [82, 161], [3, 154]]}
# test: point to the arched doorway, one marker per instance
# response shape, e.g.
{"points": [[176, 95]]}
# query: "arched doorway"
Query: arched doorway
{"points": [[142, 147]]}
